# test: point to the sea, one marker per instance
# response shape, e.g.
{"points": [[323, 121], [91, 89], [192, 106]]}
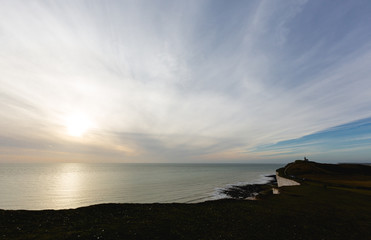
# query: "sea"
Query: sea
{"points": [[70, 185]]}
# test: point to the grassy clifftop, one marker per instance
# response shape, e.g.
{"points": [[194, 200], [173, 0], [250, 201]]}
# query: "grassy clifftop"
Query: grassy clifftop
{"points": [[347, 175]]}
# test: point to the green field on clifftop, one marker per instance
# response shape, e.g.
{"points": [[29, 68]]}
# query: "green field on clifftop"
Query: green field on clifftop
{"points": [[341, 175]]}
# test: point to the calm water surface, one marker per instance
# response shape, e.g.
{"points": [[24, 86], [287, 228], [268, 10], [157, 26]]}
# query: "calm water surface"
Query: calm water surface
{"points": [[71, 185]]}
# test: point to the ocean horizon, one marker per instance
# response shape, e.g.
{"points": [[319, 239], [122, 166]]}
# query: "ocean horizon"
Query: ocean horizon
{"points": [[36, 186]]}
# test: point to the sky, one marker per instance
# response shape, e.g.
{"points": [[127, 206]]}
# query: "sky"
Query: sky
{"points": [[185, 81]]}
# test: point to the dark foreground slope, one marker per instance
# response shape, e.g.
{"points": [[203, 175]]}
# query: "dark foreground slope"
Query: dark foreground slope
{"points": [[309, 211]]}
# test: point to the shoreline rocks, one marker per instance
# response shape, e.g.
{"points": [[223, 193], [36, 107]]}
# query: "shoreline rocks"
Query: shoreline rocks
{"points": [[249, 191]]}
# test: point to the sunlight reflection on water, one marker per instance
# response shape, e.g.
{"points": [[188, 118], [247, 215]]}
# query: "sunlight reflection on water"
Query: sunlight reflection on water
{"points": [[71, 185], [68, 184]]}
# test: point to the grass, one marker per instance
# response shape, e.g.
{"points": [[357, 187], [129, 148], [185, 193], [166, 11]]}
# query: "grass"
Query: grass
{"points": [[340, 175]]}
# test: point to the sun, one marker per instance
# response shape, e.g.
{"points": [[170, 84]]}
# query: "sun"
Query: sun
{"points": [[77, 125]]}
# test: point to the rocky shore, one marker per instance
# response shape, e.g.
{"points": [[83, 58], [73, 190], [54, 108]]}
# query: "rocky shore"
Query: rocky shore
{"points": [[250, 191]]}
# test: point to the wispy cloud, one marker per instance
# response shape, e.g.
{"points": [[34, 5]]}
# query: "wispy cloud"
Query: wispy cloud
{"points": [[340, 141], [180, 81]]}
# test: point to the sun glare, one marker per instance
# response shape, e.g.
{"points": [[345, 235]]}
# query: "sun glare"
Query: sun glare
{"points": [[77, 125]]}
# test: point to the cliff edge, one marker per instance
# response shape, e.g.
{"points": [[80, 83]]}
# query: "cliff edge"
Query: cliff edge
{"points": [[342, 175]]}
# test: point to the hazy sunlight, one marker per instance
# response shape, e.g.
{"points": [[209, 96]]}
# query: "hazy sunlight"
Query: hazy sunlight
{"points": [[77, 125]]}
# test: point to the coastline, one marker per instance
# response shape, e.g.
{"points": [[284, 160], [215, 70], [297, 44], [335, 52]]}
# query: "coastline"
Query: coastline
{"points": [[250, 191], [77, 185], [308, 211], [299, 212]]}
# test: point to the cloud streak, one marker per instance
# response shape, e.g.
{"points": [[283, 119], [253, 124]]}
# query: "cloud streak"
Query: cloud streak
{"points": [[351, 139], [180, 81]]}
